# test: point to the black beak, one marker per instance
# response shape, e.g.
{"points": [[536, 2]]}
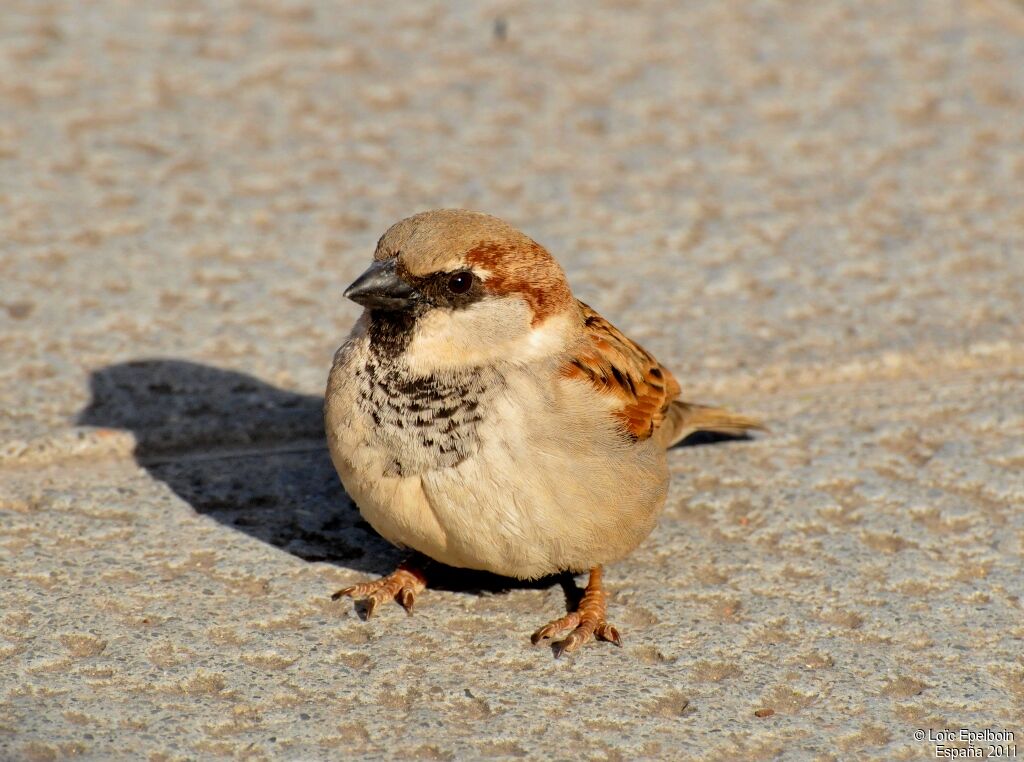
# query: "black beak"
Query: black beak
{"points": [[380, 288]]}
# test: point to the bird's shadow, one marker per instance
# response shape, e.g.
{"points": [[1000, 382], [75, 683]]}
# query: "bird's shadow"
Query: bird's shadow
{"points": [[254, 458]]}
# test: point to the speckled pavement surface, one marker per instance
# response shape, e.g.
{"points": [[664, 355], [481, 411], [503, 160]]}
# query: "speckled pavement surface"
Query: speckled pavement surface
{"points": [[810, 212]]}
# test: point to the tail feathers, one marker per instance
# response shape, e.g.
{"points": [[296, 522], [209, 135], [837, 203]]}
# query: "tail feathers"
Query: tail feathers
{"points": [[684, 418]]}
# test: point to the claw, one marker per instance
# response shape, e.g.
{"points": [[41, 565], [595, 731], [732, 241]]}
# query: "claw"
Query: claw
{"points": [[607, 632], [570, 643], [371, 605], [541, 634], [407, 599], [343, 592]]}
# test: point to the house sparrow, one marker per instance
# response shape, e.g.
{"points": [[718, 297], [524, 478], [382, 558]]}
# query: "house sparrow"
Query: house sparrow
{"points": [[480, 415]]}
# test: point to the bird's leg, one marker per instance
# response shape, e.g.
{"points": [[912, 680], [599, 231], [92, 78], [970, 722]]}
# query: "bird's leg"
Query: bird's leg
{"points": [[586, 622], [401, 585]]}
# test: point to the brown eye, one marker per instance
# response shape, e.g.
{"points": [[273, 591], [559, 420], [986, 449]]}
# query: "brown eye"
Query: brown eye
{"points": [[460, 283]]}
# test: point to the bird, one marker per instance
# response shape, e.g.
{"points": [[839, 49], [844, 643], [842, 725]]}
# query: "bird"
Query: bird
{"points": [[480, 416]]}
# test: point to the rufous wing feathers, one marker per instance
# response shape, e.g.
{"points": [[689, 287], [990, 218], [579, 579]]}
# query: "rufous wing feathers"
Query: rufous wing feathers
{"points": [[645, 390]]}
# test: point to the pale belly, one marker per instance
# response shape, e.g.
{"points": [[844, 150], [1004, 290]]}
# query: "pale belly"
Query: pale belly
{"points": [[521, 499], [516, 519]]}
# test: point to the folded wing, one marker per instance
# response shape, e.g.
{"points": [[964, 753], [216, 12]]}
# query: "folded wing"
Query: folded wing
{"points": [[645, 391]]}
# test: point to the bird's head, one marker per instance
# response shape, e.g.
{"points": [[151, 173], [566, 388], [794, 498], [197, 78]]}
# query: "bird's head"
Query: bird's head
{"points": [[465, 289]]}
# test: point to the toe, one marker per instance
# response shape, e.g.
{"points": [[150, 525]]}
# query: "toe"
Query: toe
{"points": [[343, 592], [375, 599], [544, 632], [586, 630], [575, 639], [554, 627]]}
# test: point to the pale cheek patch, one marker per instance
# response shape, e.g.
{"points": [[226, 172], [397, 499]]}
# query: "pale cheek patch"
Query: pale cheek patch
{"points": [[491, 330]]}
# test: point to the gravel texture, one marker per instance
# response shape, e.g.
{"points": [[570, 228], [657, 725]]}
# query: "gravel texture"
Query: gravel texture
{"points": [[811, 212]]}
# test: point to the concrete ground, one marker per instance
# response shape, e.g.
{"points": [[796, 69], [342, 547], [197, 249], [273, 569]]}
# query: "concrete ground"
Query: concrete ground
{"points": [[811, 212]]}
